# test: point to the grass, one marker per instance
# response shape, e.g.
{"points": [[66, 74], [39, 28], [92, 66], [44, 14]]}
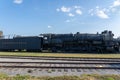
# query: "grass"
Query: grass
{"points": [[81, 77], [114, 55], [90, 55]]}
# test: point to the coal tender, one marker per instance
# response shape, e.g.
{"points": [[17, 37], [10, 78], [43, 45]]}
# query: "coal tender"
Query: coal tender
{"points": [[21, 44]]}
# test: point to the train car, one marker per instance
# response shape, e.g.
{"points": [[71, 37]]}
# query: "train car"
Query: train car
{"points": [[30, 43]]}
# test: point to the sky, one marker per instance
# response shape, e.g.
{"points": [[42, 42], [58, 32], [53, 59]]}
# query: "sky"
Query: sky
{"points": [[33, 17]]}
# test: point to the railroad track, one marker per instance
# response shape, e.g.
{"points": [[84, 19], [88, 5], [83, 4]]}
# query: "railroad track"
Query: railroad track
{"points": [[56, 66], [64, 59], [14, 62], [61, 65], [64, 63]]}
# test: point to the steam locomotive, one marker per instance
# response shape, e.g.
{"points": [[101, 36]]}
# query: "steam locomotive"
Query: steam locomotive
{"points": [[79, 42]]}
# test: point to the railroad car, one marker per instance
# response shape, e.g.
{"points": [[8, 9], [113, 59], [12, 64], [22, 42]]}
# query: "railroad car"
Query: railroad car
{"points": [[31, 43]]}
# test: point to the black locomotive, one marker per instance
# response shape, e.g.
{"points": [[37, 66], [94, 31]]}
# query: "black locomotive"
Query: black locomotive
{"points": [[78, 42]]}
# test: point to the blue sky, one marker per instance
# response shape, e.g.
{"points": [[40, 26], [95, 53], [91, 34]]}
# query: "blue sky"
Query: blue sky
{"points": [[32, 17]]}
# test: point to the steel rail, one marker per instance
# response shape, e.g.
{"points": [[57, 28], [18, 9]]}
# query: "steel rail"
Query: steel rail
{"points": [[57, 57], [61, 62], [64, 59], [59, 67]]}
